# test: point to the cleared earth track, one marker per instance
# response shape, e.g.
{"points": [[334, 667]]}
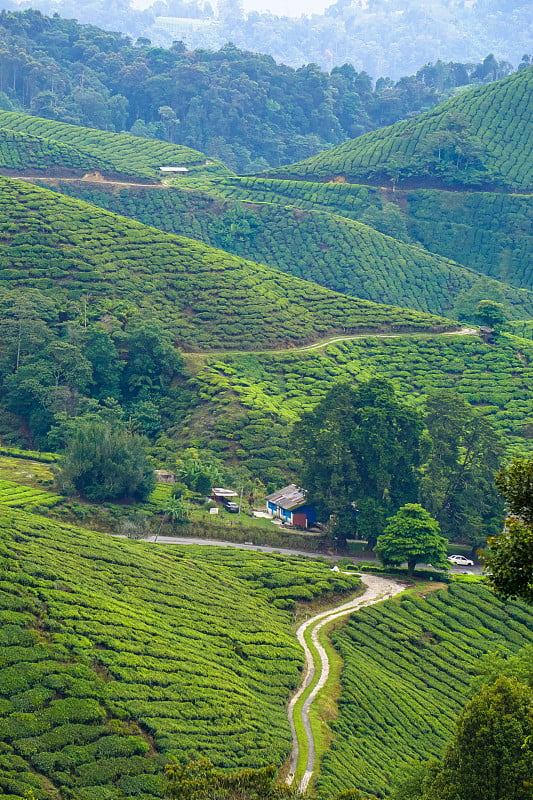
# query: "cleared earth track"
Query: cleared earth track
{"points": [[317, 669]]}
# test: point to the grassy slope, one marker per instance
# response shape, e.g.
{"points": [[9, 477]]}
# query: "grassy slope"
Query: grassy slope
{"points": [[22, 151], [488, 232], [249, 401], [115, 152], [329, 249], [499, 116], [115, 654], [208, 298], [407, 667]]}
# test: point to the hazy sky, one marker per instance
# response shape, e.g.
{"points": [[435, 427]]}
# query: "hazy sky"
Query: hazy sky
{"points": [[288, 8]]}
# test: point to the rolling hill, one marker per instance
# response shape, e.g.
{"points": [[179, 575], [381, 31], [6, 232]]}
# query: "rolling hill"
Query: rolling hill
{"points": [[312, 243], [205, 297], [28, 142], [408, 665], [487, 232], [248, 402], [480, 138], [116, 654]]}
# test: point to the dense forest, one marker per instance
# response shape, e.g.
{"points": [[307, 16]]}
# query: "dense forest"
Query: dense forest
{"points": [[238, 106], [382, 37]]}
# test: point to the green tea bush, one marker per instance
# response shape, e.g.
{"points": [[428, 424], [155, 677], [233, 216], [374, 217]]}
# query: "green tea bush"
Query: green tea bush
{"points": [[408, 667], [321, 246], [487, 144], [180, 649]]}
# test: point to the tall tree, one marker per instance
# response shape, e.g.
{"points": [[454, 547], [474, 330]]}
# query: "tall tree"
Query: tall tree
{"points": [[491, 754], [359, 449], [412, 535], [458, 487], [105, 462], [508, 562]]}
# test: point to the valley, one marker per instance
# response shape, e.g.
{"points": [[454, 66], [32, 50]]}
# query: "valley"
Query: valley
{"points": [[159, 312]]}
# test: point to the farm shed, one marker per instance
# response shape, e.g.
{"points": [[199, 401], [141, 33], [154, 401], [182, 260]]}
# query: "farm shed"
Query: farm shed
{"points": [[290, 505], [163, 476], [219, 495], [175, 170]]}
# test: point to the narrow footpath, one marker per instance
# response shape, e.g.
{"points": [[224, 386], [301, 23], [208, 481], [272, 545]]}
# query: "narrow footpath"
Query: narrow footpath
{"points": [[377, 589]]}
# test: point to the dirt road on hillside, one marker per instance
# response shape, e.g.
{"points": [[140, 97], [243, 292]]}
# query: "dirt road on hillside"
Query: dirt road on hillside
{"points": [[377, 589]]}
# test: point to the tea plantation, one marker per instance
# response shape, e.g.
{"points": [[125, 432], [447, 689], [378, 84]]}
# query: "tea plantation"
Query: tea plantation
{"points": [[115, 655], [250, 400], [331, 250], [488, 232], [114, 152], [205, 297], [22, 151], [482, 137], [408, 665]]}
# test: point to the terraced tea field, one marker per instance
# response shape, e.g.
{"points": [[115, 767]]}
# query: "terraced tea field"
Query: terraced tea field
{"points": [[115, 654], [408, 664], [15, 495]]}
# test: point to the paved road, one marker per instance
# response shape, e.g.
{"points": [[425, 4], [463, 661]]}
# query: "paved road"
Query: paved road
{"points": [[378, 588], [476, 570]]}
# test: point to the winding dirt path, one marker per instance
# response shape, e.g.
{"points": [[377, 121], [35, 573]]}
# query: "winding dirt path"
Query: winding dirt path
{"points": [[377, 589]]}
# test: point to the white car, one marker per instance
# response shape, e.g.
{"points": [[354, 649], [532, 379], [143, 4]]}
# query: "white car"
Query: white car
{"points": [[461, 561]]}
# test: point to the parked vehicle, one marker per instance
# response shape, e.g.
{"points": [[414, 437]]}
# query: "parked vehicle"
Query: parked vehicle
{"points": [[461, 561], [231, 507]]}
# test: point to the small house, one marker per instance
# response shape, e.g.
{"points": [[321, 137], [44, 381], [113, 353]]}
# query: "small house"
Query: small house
{"points": [[290, 505]]}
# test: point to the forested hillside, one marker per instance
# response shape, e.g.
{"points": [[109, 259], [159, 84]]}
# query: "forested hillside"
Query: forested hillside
{"points": [[116, 654], [385, 266], [480, 138], [381, 37], [235, 105]]}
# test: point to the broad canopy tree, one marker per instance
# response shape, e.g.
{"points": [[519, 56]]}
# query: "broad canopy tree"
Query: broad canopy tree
{"points": [[491, 754], [457, 485], [360, 449], [412, 535], [103, 461]]}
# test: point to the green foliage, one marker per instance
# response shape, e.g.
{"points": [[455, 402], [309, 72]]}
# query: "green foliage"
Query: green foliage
{"points": [[115, 654], [478, 138], [457, 486], [491, 314], [508, 561], [105, 462], [412, 535], [317, 244], [408, 666], [515, 482], [199, 780], [491, 754], [16, 496], [203, 297], [28, 142], [251, 400], [359, 450]]}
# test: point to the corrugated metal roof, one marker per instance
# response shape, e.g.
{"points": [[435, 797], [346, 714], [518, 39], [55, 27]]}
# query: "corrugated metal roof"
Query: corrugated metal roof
{"points": [[290, 497]]}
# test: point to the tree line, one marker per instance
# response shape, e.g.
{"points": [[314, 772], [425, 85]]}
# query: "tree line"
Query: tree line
{"points": [[364, 454], [235, 105]]}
